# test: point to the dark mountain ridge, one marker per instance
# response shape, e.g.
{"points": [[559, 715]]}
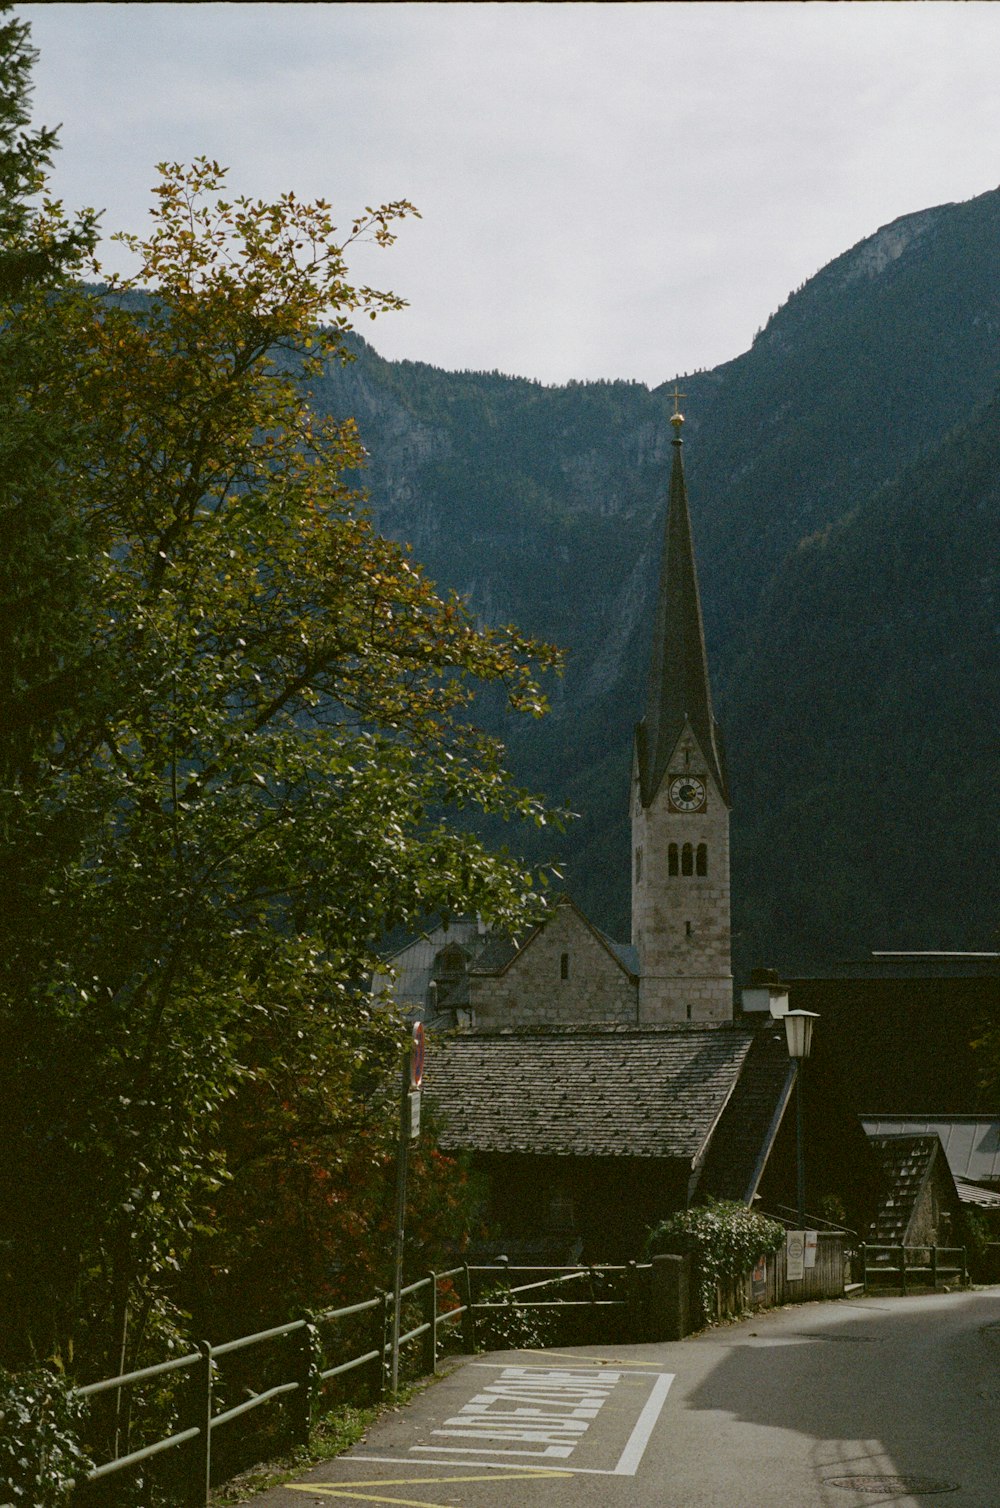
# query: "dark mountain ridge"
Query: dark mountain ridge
{"points": [[850, 630]]}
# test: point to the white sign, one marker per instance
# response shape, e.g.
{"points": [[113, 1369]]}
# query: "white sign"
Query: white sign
{"points": [[414, 1102], [795, 1250], [812, 1242]]}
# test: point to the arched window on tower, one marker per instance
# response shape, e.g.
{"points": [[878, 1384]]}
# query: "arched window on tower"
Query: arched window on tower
{"points": [[672, 867], [701, 859], [564, 966], [687, 859]]}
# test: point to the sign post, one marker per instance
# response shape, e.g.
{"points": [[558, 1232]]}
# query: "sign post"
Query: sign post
{"points": [[409, 1129]]}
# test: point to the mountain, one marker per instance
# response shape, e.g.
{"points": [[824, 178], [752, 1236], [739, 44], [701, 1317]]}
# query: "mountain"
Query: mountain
{"points": [[841, 482]]}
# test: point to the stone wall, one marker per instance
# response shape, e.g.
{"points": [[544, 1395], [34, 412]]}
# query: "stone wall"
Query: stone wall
{"points": [[681, 922], [564, 976]]}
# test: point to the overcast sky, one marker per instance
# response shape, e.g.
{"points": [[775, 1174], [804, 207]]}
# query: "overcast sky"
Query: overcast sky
{"points": [[607, 190]]}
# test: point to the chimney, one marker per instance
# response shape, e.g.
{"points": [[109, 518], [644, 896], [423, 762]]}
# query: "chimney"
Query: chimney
{"points": [[765, 993]]}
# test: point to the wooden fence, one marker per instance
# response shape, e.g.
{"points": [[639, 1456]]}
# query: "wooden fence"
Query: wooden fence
{"points": [[769, 1285], [906, 1267]]}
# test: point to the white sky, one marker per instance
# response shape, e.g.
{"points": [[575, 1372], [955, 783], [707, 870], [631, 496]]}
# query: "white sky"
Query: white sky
{"points": [[607, 190]]}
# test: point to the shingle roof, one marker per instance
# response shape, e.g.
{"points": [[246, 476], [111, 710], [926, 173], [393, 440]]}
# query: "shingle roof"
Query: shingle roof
{"points": [[906, 1163], [974, 1193], [746, 1132], [586, 1092], [971, 1143], [495, 956]]}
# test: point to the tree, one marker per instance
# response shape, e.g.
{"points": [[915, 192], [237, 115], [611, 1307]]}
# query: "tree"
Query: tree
{"points": [[37, 245], [256, 775], [41, 580]]}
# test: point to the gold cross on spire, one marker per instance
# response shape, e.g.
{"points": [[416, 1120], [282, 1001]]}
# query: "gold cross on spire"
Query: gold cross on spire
{"points": [[677, 418], [676, 395]]}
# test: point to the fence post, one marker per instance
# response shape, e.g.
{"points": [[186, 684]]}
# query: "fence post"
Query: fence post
{"points": [[965, 1267], [198, 1411], [902, 1268], [431, 1319], [633, 1299], [934, 1265], [380, 1331], [669, 1298], [468, 1318], [306, 1367], [864, 1265]]}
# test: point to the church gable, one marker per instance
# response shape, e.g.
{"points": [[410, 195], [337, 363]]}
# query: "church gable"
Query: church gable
{"points": [[566, 972]]}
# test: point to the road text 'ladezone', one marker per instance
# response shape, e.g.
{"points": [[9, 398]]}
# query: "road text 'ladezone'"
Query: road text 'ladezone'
{"points": [[529, 1411]]}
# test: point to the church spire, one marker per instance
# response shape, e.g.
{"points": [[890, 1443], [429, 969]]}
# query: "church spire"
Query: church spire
{"points": [[678, 689]]}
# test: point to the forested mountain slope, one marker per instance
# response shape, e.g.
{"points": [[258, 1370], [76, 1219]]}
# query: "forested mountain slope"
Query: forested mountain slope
{"points": [[849, 600]]}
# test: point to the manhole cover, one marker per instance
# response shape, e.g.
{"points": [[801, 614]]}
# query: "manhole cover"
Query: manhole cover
{"points": [[916, 1486]]}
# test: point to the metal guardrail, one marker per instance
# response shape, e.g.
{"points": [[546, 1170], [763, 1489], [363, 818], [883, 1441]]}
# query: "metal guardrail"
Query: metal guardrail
{"points": [[913, 1263], [305, 1372], [513, 1296]]}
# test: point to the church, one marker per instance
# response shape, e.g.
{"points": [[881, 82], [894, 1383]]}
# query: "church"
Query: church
{"points": [[600, 1085], [677, 967]]}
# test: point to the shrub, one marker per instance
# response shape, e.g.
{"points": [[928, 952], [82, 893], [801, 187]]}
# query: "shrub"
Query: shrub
{"points": [[514, 1326], [40, 1450], [725, 1239]]}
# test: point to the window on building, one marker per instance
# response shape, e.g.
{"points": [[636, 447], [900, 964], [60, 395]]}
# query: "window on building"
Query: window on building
{"points": [[638, 864], [564, 966], [701, 859], [687, 859], [672, 859], [688, 929], [690, 1010]]}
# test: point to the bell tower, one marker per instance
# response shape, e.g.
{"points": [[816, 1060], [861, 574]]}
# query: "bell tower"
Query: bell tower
{"points": [[680, 799]]}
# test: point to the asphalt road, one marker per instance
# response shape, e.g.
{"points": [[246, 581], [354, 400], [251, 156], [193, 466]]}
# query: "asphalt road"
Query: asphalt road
{"points": [[834, 1405]]}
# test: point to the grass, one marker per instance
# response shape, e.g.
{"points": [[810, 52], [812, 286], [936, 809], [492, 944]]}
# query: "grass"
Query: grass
{"points": [[332, 1434]]}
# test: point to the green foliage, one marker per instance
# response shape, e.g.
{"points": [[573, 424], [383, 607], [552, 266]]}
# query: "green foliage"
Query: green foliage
{"points": [[37, 245], [253, 765], [42, 579], [513, 1326], [975, 1234], [306, 1217], [40, 1451], [725, 1239]]}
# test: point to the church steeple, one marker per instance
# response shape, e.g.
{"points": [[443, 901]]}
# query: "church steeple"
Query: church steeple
{"points": [[678, 689], [680, 799]]}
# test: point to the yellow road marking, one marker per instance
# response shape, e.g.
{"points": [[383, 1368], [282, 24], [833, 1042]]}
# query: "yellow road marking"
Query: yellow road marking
{"points": [[349, 1489], [367, 1498]]}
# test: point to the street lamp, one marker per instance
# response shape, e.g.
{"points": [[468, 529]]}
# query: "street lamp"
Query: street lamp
{"points": [[798, 1034]]}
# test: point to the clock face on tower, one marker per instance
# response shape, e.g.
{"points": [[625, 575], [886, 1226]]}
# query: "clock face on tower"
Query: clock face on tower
{"points": [[686, 793]]}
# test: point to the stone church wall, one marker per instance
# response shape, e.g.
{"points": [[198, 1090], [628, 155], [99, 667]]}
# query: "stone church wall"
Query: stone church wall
{"points": [[565, 976], [680, 922]]}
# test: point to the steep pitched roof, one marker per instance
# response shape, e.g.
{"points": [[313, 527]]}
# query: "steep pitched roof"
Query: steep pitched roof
{"points": [[678, 690], [971, 1143], [751, 1120], [586, 1092], [500, 952], [906, 1163]]}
